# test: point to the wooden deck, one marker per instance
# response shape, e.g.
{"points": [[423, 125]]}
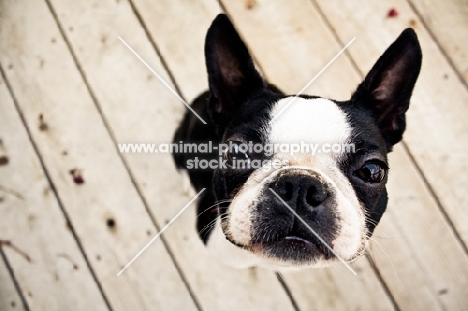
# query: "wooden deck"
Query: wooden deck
{"points": [[70, 91]]}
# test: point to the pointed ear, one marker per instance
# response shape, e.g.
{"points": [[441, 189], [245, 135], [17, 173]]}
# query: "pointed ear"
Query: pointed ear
{"points": [[232, 75], [387, 88]]}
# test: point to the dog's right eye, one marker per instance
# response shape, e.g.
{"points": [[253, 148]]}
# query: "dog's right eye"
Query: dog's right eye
{"points": [[237, 151]]}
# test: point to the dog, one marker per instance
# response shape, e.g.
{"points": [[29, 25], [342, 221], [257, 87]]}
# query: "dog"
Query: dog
{"points": [[245, 216]]}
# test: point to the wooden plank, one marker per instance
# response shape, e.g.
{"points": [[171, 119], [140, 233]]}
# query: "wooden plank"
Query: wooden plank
{"points": [[436, 122], [185, 55], [9, 298], [31, 220], [421, 246], [140, 109], [294, 36], [448, 22], [404, 275], [107, 213], [295, 15]]}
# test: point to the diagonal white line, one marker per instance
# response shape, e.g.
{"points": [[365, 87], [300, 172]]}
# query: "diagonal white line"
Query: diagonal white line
{"points": [[314, 78], [161, 79], [313, 231], [160, 232]]}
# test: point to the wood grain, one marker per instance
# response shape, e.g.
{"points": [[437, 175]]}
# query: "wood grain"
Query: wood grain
{"points": [[9, 298], [33, 231], [448, 22], [107, 213]]}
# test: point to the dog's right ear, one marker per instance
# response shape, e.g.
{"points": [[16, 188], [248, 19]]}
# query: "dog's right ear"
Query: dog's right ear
{"points": [[232, 76]]}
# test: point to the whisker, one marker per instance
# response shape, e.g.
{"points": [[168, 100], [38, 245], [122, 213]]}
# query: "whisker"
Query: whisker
{"points": [[215, 205], [212, 223], [373, 240]]}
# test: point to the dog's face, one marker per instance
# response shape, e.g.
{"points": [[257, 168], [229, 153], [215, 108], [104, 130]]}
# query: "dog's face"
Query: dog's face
{"points": [[302, 208]]}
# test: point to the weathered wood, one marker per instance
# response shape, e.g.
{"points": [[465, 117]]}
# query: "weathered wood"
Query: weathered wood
{"points": [[396, 264], [9, 298], [139, 108], [437, 131], [418, 226], [178, 28], [448, 22], [107, 213], [33, 232], [292, 46]]}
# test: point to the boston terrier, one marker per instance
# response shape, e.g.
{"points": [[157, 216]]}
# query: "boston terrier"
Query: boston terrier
{"points": [[296, 209]]}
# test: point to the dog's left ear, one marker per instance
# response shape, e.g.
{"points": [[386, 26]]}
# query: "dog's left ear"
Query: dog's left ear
{"points": [[387, 88], [232, 75]]}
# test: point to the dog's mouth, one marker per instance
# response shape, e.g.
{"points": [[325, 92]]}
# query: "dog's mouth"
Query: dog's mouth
{"points": [[293, 248]]}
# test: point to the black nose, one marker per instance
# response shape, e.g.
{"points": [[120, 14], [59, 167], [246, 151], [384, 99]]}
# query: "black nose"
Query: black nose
{"points": [[302, 191]]}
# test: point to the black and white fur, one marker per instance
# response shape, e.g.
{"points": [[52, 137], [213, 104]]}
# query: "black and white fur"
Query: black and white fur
{"points": [[342, 196]]}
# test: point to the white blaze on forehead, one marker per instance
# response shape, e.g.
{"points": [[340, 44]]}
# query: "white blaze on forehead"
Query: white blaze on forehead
{"points": [[312, 121]]}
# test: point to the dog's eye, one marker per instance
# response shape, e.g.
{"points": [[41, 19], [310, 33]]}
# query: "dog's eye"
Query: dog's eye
{"points": [[372, 172], [237, 151]]}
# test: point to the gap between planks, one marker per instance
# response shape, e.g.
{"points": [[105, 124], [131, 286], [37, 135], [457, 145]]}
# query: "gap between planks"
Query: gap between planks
{"points": [[11, 273], [113, 138], [54, 191], [442, 49]]}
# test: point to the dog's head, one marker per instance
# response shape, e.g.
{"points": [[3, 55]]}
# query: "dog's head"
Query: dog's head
{"points": [[278, 209]]}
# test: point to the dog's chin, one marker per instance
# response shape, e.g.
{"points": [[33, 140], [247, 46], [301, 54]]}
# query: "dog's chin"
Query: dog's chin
{"points": [[287, 253], [294, 251], [290, 252]]}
